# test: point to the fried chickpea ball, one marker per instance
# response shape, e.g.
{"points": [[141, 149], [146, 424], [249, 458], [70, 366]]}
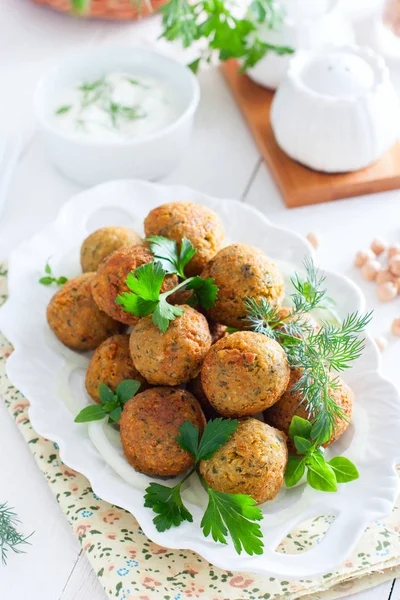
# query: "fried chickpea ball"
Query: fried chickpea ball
{"points": [[290, 404], [252, 462], [111, 364], [241, 271], [173, 357], [196, 222], [149, 425], [195, 387], [110, 280], [99, 244], [244, 373], [75, 318]]}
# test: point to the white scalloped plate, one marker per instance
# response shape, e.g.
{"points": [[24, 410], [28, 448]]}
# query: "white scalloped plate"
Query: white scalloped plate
{"points": [[52, 378]]}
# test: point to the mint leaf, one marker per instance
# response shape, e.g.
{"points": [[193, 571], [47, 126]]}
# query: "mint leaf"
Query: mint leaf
{"points": [[302, 445], [321, 436], [300, 427], [115, 414], [46, 280], [320, 475], [61, 281], [47, 269], [344, 469], [127, 389], [168, 505], [106, 395], [205, 290], [216, 433], [94, 412], [63, 109], [294, 471], [234, 514]]}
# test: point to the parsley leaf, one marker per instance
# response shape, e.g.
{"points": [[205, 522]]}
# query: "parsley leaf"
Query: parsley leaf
{"points": [[166, 252], [234, 514], [205, 290], [216, 433], [164, 313], [49, 278], [146, 281], [167, 503]]}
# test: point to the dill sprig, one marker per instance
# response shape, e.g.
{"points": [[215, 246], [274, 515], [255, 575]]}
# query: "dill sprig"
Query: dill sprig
{"points": [[317, 354], [10, 537]]}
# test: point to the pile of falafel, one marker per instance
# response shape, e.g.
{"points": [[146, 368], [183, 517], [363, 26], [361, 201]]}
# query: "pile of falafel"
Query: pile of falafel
{"points": [[197, 369]]}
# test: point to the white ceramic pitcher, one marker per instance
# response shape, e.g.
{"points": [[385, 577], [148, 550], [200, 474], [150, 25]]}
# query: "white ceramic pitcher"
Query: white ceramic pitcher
{"points": [[306, 25]]}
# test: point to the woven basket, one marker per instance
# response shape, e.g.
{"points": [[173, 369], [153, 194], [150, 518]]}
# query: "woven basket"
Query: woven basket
{"points": [[121, 10]]}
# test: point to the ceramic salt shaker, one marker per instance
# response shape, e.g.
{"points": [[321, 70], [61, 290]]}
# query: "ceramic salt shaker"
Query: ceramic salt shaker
{"points": [[337, 110]]}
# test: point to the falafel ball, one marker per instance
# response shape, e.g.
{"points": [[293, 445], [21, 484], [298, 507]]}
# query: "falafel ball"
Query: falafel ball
{"points": [[173, 357], [291, 403], [244, 373], [75, 318], [252, 462], [241, 271], [111, 364], [149, 425], [110, 280], [102, 242], [196, 222]]}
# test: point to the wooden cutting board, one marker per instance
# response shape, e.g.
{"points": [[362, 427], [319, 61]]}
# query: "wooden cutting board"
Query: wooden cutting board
{"points": [[300, 185]]}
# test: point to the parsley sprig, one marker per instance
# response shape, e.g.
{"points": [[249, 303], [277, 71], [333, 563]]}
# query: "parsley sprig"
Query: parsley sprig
{"points": [[112, 403], [225, 34], [50, 278], [321, 475], [235, 515], [317, 354], [145, 283]]}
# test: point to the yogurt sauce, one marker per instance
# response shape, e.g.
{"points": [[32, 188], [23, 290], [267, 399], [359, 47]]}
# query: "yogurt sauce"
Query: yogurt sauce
{"points": [[118, 106]]}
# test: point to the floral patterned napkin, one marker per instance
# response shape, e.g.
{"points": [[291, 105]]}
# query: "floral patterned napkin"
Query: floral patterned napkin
{"points": [[131, 567]]}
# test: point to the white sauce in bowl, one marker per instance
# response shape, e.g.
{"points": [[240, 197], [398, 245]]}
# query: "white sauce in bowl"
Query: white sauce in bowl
{"points": [[117, 106]]}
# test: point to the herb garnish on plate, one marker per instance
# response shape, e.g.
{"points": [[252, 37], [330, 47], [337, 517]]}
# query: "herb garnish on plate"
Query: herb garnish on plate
{"points": [[318, 354], [50, 278], [235, 515], [321, 474], [145, 283], [112, 403]]}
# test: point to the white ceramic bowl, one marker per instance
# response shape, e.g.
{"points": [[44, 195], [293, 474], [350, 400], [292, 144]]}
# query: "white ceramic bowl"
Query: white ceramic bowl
{"points": [[151, 156]]}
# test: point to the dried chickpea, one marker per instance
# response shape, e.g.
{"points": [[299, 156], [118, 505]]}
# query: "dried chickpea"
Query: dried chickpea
{"points": [[314, 240], [386, 291], [384, 276], [370, 270], [362, 257], [378, 246], [394, 265], [396, 326], [394, 250]]}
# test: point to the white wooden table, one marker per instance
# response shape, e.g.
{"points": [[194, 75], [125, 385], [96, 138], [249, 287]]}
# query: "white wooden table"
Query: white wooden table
{"points": [[223, 161]]}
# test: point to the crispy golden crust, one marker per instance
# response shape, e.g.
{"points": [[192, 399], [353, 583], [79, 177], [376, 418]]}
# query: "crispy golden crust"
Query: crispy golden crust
{"points": [[74, 317], [173, 357], [111, 363], [280, 415], [110, 280], [196, 222], [242, 271], [195, 387], [149, 425], [244, 374], [99, 244], [252, 462]]}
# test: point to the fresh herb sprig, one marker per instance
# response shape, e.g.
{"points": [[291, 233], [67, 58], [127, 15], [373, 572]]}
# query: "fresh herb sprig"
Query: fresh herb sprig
{"points": [[317, 354], [50, 278], [10, 538], [145, 283], [112, 403], [235, 515], [321, 474], [225, 34]]}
